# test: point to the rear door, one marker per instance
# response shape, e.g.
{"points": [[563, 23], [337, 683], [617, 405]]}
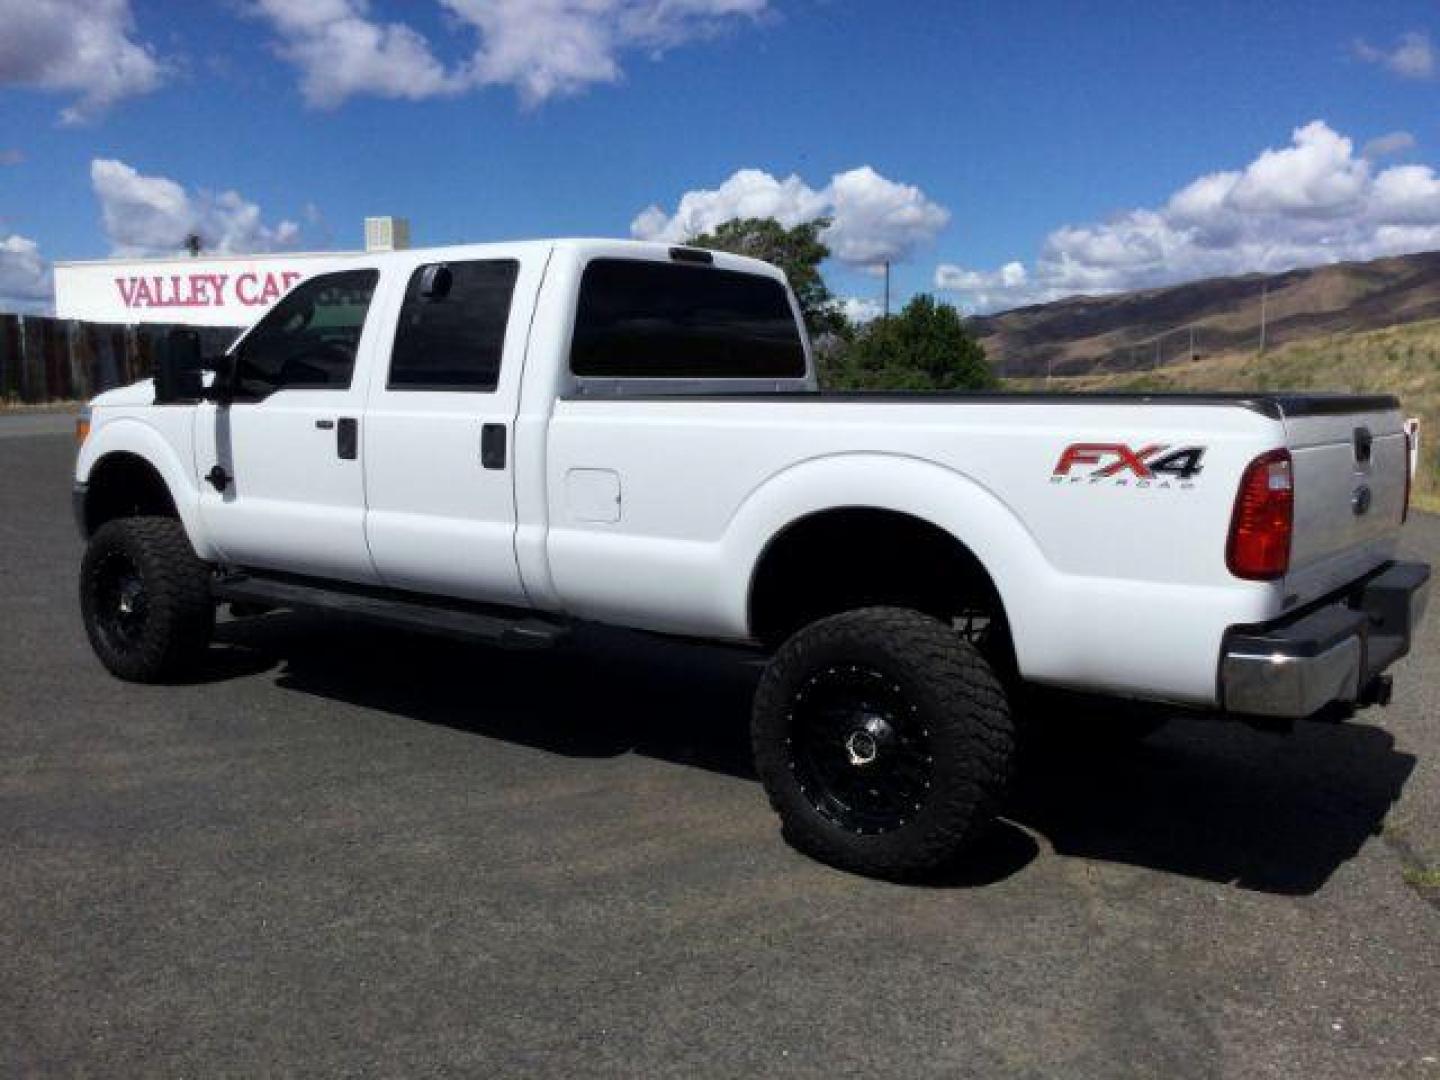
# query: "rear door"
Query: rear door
{"points": [[440, 478], [1350, 473]]}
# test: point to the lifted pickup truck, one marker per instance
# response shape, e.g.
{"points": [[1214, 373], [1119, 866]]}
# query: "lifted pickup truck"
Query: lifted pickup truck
{"points": [[498, 441]]}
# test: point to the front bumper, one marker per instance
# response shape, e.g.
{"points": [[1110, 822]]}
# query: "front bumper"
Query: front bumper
{"points": [[1298, 666]]}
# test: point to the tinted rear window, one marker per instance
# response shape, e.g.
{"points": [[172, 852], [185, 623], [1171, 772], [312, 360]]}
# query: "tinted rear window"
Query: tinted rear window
{"points": [[640, 319], [454, 338]]}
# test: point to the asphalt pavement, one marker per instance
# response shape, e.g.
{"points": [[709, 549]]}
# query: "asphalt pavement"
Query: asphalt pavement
{"points": [[348, 851]]}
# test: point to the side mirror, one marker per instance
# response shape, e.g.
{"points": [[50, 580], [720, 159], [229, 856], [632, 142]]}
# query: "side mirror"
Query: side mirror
{"points": [[221, 389], [177, 369]]}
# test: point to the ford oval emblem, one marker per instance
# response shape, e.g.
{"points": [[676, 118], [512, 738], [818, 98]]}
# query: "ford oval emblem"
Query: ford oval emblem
{"points": [[1360, 501]]}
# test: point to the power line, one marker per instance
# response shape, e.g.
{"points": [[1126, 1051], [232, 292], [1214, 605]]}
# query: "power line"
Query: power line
{"points": [[1264, 297]]}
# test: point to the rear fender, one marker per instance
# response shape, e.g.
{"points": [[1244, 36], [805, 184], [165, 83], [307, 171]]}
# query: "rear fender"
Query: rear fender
{"points": [[944, 498]]}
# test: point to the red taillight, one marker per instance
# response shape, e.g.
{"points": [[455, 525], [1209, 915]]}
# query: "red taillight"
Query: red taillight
{"points": [[1264, 519]]}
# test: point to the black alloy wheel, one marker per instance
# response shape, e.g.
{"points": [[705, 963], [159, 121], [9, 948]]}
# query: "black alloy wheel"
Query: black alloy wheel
{"points": [[883, 740], [121, 604], [145, 599], [861, 749]]}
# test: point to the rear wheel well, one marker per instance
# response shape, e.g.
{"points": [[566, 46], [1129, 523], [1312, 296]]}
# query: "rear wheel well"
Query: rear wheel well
{"points": [[858, 557], [125, 485]]}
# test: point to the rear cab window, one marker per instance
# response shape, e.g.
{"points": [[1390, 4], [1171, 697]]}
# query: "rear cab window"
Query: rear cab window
{"points": [[642, 319]]}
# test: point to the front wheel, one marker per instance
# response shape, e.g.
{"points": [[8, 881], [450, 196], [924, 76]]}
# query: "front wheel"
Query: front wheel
{"points": [[883, 740], [145, 599]]}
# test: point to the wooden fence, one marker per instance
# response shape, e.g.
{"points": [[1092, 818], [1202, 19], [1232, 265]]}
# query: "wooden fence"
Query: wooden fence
{"points": [[44, 359]]}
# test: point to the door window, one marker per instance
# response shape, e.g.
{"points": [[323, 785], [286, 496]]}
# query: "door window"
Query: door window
{"points": [[309, 339], [452, 326]]}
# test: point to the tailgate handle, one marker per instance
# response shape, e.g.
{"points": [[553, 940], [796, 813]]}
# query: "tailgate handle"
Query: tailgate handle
{"points": [[1364, 445]]}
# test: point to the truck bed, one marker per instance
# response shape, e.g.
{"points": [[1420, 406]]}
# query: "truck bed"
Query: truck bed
{"points": [[1276, 406]]}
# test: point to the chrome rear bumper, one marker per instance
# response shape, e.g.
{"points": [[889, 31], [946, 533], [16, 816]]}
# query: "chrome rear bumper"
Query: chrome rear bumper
{"points": [[1296, 667]]}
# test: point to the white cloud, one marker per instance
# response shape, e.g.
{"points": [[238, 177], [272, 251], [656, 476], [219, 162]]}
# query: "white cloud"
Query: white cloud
{"points": [[1317, 175], [1012, 275], [860, 309], [556, 48], [873, 219], [24, 275], [76, 46], [748, 193], [1396, 142], [878, 220], [1314, 201], [152, 215], [542, 48], [1413, 57], [341, 53]]}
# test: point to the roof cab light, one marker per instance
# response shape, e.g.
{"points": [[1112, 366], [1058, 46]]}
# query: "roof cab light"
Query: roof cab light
{"points": [[692, 255], [1264, 519]]}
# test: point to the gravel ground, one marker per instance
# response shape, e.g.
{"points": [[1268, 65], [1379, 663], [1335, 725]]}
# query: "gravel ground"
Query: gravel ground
{"points": [[343, 851]]}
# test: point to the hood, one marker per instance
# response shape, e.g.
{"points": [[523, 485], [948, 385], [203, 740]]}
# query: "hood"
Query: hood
{"points": [[138, 393]]}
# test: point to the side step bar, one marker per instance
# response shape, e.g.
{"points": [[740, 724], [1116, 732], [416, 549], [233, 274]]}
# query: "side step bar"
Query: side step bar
{"points": [[409, 611]]}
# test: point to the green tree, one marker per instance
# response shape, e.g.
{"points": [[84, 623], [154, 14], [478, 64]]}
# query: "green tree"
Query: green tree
{"points": [[926, 347], [798, 251]]}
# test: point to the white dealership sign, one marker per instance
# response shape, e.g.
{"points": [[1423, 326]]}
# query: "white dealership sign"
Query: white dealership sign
{"points": [[227, 291]]}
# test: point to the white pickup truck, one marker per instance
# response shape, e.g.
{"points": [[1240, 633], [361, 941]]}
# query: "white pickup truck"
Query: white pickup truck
{"points": [[500, 441]]}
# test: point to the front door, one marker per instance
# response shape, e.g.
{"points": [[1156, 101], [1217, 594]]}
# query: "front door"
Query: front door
{"points": [[281, 465], [440, 476]]}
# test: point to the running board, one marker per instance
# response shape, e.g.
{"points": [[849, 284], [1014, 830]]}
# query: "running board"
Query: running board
{"points": [[408, 611]]}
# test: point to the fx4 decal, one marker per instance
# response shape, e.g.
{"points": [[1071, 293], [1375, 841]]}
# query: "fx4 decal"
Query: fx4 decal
{"points": [[1120, 465]]}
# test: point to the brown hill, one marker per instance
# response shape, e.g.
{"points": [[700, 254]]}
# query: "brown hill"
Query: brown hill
{"points": [[1141, 330], [1400, 360]]}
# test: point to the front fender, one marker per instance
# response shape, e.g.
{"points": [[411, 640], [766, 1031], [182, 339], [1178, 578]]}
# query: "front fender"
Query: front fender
{"points": [[131, 435], [946, 499]]}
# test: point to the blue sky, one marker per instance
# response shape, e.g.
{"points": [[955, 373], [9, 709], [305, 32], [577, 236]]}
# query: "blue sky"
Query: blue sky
{"points": [[971, 134]]}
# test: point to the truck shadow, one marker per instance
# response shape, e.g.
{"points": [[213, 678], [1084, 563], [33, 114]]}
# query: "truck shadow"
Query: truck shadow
{"points": [[1203, 798]]}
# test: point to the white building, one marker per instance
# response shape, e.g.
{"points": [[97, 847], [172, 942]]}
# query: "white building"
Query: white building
{"points": [[225, 290]]}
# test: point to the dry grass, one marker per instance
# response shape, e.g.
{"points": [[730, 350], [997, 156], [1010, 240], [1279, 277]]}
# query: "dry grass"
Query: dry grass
{"points": [[1422, 878], [1401, 360]]}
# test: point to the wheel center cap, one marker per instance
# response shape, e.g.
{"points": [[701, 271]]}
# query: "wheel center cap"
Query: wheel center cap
{"points": [[861, 748], [863, 745]]}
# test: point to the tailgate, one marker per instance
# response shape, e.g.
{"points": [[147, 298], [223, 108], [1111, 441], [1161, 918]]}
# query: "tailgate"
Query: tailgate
{"points": [[1351, 462]]}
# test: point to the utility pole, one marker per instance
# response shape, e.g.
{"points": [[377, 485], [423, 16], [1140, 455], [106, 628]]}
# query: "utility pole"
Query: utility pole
{"points": [[1192, 342], [1264, 297], [887, 288]]}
